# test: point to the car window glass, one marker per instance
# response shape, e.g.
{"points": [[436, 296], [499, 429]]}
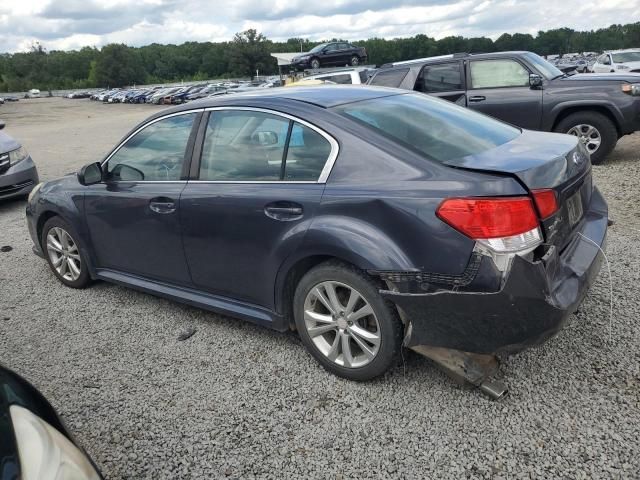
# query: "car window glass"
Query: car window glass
{"points": [[390, 78], [331, 47], [433, 128], [440, 78], [498, 73], [156, 153], [344, 79], [307, 154], [243, 146]]}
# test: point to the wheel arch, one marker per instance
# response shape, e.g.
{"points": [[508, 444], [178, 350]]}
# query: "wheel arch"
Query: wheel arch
{"points": [[290, 275], [563, 111]]}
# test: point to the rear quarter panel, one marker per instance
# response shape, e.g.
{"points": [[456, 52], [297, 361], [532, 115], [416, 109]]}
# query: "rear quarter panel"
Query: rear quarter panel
{"points": [[378, 208]]}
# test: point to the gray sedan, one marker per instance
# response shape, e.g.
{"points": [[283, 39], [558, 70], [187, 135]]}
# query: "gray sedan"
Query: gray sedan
{"points": [[18, 173]]}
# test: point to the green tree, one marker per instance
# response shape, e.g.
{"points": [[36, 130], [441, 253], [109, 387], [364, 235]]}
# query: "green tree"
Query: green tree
{"points": [[118, 65], [249, 52]]}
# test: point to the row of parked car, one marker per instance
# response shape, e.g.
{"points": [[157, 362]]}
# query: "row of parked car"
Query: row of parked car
{"points": [[607, 62], [173, 95]]}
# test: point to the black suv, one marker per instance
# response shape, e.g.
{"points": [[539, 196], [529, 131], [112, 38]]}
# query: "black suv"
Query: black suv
{"points": [[524, 89], [328, 54]]}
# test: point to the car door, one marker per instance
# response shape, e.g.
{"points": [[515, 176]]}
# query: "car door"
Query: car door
{"points": [[258, 184], [443, 80], [330, 55], [600, 65], [501, 88], [133, 215], [346, 52]]}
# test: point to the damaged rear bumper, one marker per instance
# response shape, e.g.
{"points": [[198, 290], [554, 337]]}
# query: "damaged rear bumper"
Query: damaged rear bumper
{"points": [[533, 303]]}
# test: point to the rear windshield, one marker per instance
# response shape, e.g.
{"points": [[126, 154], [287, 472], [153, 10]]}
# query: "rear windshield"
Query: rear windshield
{"points": [[434, 128], [390, 78]]}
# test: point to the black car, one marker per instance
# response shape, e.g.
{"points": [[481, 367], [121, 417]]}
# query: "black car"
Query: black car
{"points": [[34, 443], [525, 90], [330, 54], [366, 218]]}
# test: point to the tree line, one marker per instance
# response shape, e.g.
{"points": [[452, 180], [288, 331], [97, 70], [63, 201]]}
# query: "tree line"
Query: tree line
{"points": [[117, 65]]}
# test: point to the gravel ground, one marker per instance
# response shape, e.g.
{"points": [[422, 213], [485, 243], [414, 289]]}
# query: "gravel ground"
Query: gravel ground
{"points": [[240, 401]]}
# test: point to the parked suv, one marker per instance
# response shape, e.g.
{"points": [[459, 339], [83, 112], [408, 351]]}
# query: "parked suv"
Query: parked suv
{"points": [[327, 54], [619, 61], [524, 89]]}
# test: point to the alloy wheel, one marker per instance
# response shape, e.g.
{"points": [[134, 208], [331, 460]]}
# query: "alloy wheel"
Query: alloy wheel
{"points": [[588, 135], [64, 254], [342, 324]]}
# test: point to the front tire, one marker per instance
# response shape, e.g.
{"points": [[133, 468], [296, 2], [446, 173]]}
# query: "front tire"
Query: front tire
{"points": [[315, 63], [594, 130], [344, 322], [64, 254]]}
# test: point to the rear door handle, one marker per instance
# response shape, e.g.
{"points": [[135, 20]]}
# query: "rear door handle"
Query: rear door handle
{"points": [[162, 205], [284, 211], [477, 98]]}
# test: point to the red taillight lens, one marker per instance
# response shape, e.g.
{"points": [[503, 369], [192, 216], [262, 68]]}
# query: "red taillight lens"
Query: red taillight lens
{"points": [[483, 218], [546, 201]]}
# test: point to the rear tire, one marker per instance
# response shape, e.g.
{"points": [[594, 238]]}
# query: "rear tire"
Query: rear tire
{"points": [[355, 61], [578, 124], [360, 335], [64, 254]]}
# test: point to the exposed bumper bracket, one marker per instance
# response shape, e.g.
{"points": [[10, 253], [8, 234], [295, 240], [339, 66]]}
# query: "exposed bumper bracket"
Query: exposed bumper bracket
{"points": [[474, 368]]}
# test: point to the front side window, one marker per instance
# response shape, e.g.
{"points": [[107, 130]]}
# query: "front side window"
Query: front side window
{"points": [[498, 73], [446, 77], [249, 146], [433, 128], [156, 153]]}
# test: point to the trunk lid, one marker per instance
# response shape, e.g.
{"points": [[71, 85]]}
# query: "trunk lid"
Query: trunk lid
{"points": [[542, 160]]}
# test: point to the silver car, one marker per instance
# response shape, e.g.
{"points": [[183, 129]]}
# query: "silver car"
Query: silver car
{"points": [[18, 173]]}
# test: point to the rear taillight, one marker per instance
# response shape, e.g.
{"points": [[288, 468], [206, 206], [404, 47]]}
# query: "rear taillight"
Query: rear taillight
{"points": [[507, 224], [546, 201]]}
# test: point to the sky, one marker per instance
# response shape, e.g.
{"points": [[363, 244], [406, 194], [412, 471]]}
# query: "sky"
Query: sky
{"points": [[72, 24]]}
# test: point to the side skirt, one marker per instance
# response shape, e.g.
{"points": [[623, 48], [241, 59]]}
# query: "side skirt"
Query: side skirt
{"points": [[196, 298]]}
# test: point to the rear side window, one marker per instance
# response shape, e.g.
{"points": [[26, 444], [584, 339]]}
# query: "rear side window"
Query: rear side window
{"points": [[249, 146], [434, 128], [390, 78], [498, 73], [446, 77], [343, 79]]}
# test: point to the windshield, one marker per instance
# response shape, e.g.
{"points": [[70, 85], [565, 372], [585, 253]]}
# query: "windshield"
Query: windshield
{"points": [[547, 70], [434, 128], [317, 48], [624, 57]]}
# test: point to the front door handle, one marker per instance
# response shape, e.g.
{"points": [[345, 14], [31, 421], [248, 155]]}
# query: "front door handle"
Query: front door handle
{"points": [[162, 205], [477, 98], [284, 211]]}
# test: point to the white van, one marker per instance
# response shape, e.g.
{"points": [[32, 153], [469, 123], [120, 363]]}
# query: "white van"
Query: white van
{"points": [[33, 93]]}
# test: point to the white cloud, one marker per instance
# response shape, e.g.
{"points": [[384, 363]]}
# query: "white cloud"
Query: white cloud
{"points": [[71, 24]]}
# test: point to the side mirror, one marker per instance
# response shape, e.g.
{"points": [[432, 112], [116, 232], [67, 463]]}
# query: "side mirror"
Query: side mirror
{"points": [[2, 124], [90, 174], [535, 80], [265, 139]]}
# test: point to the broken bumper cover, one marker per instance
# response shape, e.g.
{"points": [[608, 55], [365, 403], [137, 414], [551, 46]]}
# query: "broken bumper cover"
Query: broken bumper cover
{"points": [[533, 304]]}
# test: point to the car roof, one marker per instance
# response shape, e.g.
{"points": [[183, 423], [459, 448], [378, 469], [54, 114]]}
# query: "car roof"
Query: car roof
{"points": [[453, 56], [324, 96]]}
